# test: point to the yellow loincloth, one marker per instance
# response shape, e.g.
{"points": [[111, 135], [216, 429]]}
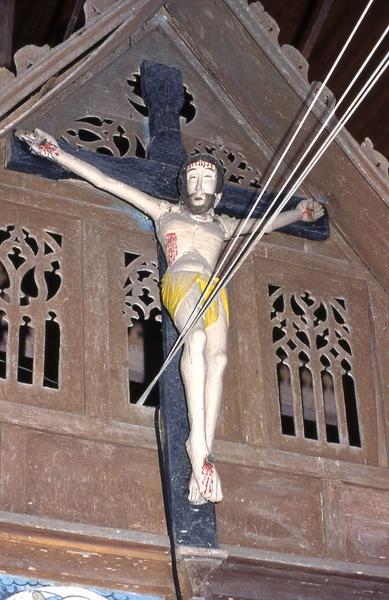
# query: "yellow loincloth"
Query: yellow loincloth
{"points": [[175, 287]]}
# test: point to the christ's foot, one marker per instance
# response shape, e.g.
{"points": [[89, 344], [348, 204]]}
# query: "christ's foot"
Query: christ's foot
{"points": [[209, 484], [194, 496], [204, 475]]}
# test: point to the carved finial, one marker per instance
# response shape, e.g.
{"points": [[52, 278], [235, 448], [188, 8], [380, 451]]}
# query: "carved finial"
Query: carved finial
{"points": [[24, 58], [296, 59], [94, 8], [28, 56], [376, 158], [266, 21]]}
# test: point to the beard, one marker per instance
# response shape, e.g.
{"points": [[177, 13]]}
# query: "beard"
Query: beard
{"points": [[200, 208]]}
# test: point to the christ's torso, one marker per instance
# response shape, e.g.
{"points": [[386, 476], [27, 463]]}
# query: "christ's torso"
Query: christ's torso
{"points": [[190, 243]]}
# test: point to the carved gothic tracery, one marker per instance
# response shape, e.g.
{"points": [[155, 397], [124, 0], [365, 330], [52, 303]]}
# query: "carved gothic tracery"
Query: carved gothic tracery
{"points": [[112, 136], [312, 343], [141, 289], [116, 137], [236, 167], [105, 136], [30, 284], [142, 318]]}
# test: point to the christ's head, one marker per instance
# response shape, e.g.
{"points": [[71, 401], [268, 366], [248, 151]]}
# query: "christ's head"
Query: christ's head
{"points": [[200, 183]]}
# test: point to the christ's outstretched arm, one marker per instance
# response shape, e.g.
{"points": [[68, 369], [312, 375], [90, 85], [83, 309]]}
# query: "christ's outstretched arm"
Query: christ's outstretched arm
{"points": [[307, 210], [44, 145]]}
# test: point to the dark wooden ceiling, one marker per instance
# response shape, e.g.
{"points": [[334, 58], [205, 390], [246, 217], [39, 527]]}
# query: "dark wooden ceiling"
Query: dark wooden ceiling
{"points": [[318, 28]]}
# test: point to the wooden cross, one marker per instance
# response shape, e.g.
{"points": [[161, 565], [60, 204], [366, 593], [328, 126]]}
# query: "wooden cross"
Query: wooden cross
{"points": [[163, 93]]}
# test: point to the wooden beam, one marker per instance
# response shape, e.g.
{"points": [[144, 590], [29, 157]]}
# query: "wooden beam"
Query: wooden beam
{"points": [[77, 8], [313, 27], [130, 13], [7, 11]]}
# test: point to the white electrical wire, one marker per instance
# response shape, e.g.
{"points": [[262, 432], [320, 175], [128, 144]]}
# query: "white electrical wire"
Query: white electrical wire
{"points": [[274, 201], [248, 246], [342, 122], [350, 111], [244, 221], [278, 164]]}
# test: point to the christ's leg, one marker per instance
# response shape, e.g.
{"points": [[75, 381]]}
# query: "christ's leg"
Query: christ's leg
{"points": [[216, 362], [205, 484]]}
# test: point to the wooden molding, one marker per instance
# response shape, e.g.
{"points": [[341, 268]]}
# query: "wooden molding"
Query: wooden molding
{"points": [[97, 556], [195, 567]]}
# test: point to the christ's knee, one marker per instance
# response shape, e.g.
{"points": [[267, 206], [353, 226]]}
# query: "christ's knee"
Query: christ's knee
{"points": [[217, 362], [194, 349]]}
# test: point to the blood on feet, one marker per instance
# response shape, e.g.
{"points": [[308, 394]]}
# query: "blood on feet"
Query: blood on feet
{"points": [[207, 472]]}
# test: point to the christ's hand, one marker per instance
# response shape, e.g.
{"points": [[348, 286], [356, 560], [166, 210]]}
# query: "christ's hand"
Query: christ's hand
{"points": [[40, 143], [310, 210]]}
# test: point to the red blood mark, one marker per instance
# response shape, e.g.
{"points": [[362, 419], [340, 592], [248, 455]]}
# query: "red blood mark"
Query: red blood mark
{"points": [[201, 163], [49, 147], [171, 247], [207, 472], [308, 213]]}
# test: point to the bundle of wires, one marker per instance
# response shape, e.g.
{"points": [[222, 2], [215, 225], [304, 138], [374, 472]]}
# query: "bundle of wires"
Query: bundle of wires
{"points": [[226, 268]]}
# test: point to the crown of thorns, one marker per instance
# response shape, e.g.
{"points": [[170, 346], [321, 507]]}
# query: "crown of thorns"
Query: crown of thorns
{"points": [[203, 159]]}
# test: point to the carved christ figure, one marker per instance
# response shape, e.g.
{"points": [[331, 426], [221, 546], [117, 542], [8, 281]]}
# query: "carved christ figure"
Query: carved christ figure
{"points": [[192, 237]]}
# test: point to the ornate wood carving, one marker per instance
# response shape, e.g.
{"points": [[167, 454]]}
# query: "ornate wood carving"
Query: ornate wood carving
{"points": [[313, 343], [376, 158], [318, 329], [141, 288], [39, 272], [254, 467]]}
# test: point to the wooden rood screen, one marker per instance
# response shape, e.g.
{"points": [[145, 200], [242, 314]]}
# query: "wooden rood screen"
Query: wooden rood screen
{"points": [[79, 300], [46, 289], [80, 331]]}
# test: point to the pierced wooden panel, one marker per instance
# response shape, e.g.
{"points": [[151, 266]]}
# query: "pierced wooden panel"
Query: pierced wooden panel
{"points": [[316, 361], [141, 290], [237, 168], [316, 384], [40, 283], [135, 318], [106, 114]]}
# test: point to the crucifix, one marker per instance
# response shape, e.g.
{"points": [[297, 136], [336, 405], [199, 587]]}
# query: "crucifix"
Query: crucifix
{"points": [[191, 222]]}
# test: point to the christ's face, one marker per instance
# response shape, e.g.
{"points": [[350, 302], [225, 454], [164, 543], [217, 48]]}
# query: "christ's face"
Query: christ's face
{"points": [[201, 181]]}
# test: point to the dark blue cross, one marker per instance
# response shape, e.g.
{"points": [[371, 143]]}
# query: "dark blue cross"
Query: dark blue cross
{"points": [[163, 93]]}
